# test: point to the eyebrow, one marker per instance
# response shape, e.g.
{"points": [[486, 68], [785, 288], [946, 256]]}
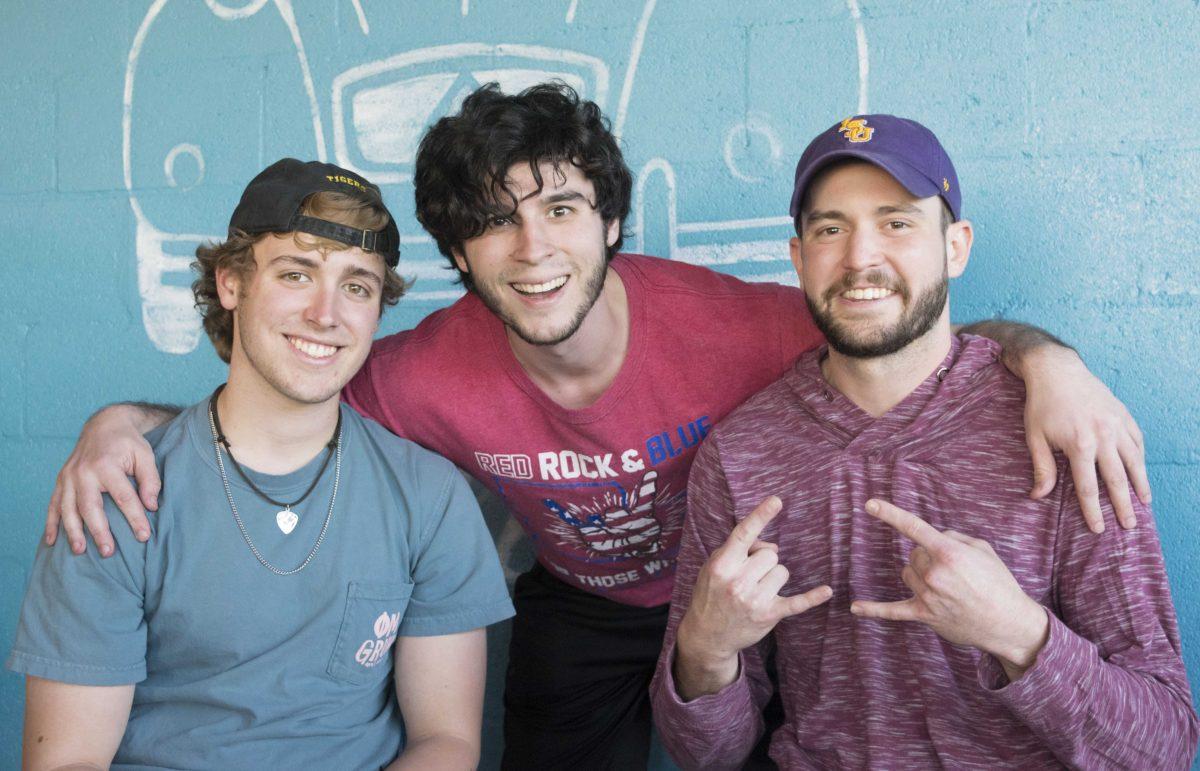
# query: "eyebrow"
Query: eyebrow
{"points": [[561, 197], [834, 214]]}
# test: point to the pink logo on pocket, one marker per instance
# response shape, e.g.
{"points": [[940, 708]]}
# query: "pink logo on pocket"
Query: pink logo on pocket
{"points": [[373, 651]]}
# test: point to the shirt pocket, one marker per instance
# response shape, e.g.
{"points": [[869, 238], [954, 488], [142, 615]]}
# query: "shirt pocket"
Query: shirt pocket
{"points": [[374, 610]]}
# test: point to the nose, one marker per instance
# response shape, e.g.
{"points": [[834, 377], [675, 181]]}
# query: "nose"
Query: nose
{"points": [[322, 306], [864, 250], [533, 242]]}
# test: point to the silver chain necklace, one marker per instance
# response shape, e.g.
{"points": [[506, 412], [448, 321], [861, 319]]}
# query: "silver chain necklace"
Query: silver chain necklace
{"points": [[337, 475]]}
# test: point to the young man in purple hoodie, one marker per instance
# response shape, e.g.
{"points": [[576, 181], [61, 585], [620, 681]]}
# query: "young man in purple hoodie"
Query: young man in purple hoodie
{"points": [[923, 610]]}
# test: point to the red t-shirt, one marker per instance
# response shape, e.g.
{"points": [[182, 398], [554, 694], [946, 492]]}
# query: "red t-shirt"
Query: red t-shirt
{"points": [[600, 490]]}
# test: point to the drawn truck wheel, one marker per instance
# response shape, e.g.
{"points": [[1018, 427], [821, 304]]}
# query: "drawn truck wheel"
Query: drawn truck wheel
{"points": [[208, 87]]}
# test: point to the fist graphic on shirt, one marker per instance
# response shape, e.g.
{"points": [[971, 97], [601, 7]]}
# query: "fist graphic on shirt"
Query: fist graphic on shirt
{"points": [[626, 530]]}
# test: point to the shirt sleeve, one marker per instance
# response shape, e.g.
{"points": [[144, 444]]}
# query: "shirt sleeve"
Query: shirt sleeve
{"points": [[82, 620], [717, 730], [457, 581], [1109, 688]]}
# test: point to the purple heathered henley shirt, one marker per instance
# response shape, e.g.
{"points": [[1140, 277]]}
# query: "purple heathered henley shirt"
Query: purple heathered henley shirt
{"points": [[1109, 689]]}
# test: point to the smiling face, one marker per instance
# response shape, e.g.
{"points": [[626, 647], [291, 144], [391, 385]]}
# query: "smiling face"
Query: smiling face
{"points": [[875, 261], [303, 320], [542, 269]]}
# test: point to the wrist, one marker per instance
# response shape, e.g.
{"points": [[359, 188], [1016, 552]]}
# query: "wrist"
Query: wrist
{"points": [[1029, 634], [699, 667]]}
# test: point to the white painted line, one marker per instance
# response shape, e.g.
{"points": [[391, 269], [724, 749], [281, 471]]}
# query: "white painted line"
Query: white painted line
{"points": [[635, 54], [864, 63], [574, 6], [362, 17]]}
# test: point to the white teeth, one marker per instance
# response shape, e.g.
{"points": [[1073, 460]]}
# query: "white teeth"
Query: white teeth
{"points": [[547, 286], [315, 350], [870, 293]]}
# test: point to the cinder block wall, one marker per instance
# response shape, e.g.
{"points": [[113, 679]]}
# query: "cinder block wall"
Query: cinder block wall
{"points": [[130, 128]]}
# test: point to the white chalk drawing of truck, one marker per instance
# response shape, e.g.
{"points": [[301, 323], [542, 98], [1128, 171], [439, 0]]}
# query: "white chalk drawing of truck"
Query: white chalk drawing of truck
{"points": [[185, 155]]}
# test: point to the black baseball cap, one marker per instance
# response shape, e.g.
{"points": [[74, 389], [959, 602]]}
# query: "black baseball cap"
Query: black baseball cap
{"points": [[271, 204]]}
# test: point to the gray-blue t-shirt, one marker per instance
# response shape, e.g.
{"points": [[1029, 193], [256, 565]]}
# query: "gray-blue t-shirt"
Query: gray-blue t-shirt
{"points": [[239, 667]]}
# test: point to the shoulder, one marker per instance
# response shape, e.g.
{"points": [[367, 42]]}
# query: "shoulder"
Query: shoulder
{"points": [[671, 276], [407, 463], [431, 335]]}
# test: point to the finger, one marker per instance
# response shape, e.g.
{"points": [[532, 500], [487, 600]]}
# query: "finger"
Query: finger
{"points": [[128, 501], [907, 524], [963, 538], [904, 610], [145, 471], [920, 560], [764, 545], [790, 606], [89, 502], [1112, 471], [1083, 472], [913, 581], [775, 579], [1045, 470], [71, 523], [52, 515], [758, 565], [1133, 455], [743, 536]]}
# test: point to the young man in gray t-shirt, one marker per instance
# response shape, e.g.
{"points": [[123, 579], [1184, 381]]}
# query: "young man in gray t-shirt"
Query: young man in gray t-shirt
{"points": [[316, 588]]}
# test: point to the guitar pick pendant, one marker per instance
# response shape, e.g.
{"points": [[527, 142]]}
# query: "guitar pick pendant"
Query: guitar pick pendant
{"points": [[286, 520]]}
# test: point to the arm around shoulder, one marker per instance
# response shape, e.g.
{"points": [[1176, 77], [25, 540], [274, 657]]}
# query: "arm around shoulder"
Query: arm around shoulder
{"points": [[110, 449]]}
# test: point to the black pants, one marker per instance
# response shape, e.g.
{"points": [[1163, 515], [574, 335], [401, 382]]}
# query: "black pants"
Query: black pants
{"points": [[577, 689], [576, 694]]}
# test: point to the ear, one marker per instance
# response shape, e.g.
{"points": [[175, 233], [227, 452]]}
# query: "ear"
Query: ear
{"points": [[959, 237], [797, 258], [229, 284], [611, 231], [460, 260]]}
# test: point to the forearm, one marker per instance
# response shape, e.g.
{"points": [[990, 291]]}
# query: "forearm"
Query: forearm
{"points": [[1090, 712], [1019, 342], [145, 416], [715, 730], [439, 751]]}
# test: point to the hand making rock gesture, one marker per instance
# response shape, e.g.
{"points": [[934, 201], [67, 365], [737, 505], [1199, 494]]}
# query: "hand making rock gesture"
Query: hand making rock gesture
{"points": [[735, 603]]}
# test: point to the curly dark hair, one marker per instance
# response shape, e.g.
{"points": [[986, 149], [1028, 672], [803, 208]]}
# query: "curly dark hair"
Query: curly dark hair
{"points": [[236, 253], [463, 160]]}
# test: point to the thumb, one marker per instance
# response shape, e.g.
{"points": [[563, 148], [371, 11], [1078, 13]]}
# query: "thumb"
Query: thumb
{"points": [[791, 606], [1045, 471], [904, 610]]}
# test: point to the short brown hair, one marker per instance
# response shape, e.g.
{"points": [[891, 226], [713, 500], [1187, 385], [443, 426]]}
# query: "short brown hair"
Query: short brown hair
{"points": [[236, 253]]}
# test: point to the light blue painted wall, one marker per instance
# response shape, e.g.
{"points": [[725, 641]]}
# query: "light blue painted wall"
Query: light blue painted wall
{"points": [[1072, 124]]}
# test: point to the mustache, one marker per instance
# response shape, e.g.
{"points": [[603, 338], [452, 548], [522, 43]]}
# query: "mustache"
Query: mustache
{"points": [[872, 278]]}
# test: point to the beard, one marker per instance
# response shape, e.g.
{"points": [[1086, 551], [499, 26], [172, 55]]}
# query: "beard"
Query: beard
{"points": [[917, 318], [593, 285]]}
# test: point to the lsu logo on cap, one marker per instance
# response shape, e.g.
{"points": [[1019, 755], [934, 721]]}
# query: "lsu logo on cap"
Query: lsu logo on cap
{"points": [[856, 130], [945, 184]]}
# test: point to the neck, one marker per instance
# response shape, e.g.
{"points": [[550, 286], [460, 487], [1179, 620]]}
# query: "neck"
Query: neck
{"points": [[577, 371], [878, 384], [269, 432]]}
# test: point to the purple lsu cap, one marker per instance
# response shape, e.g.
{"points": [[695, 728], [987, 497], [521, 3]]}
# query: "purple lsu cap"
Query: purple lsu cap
{"points": [[901, 147]]}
